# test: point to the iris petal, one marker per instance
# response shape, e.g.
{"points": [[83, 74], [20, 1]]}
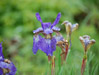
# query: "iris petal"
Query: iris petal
{"points": [[38, 17], [10, 66], [46, 25], [48, 31], [38, 30], [56, 28], [48, 46], [57, 20], [58, 37], [53, 44], [47, 28], [36, 40], [1, 71], [12, 69]]}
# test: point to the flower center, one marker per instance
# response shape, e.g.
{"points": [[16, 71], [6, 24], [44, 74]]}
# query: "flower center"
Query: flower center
{"points": [[5, 70], [48, 36], [7, 61]]}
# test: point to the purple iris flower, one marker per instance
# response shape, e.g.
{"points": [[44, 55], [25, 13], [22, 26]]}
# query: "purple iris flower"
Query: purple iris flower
{"points": [[47, 27], [48, 43], [6, 66]]}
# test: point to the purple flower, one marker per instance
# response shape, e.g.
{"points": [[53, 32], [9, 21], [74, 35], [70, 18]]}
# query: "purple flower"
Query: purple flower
{"points": [[48, 43], [6, 66], [47, 27]]}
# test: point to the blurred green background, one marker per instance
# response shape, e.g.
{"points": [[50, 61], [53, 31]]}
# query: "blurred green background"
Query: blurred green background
{"points": [[17, 21]]}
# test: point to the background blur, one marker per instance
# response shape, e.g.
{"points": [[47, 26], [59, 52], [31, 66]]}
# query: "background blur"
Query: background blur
{"points": [[17, 21]]}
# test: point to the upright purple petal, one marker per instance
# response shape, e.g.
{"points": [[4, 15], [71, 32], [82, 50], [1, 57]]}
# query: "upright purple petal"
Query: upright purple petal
{"points": [[57, 20], [38, 17], [46, 25], [47, 28]]}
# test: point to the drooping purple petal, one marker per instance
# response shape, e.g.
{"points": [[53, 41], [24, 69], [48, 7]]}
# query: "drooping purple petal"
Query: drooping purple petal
{"points": [[58, 37], [57, 20], [1, 71], [12, 69], [48, 46], [3, 65], [38, 30], [52, 47], [42, 45], [38, 17], [56, 28], [36, 40], [53, 44], [1, 54]]}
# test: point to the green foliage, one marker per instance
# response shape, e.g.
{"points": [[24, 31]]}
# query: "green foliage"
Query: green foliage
{"points": [[17, 21]]}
